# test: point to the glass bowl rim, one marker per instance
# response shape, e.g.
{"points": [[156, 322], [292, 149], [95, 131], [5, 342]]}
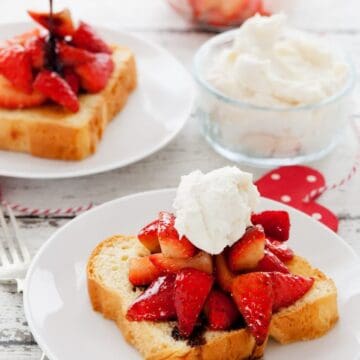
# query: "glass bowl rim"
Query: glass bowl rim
{"points": [[229, 35]]}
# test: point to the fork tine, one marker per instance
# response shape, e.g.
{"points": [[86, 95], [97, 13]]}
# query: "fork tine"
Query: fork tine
{"points": [[8, 239], [4, 259], [23, 249]]}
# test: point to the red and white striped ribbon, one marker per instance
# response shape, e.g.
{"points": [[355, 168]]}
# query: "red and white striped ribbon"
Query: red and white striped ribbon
{"points": [[319, 191], [70, 211]]}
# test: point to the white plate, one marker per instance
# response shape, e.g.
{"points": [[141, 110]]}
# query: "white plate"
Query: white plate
{"points": [[62, 321], [154, 114]]}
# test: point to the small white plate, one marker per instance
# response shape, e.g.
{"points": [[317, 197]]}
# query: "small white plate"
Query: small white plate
{"points": [[62, 321], [156, 111]]}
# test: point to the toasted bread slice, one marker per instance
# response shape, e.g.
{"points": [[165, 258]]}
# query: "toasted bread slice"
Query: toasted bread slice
{"points": [[51, 131], [112, 294]]}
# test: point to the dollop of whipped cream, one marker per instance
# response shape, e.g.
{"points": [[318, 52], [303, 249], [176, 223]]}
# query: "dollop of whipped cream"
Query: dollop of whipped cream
{"points": [[213, 210], [270, 64]]}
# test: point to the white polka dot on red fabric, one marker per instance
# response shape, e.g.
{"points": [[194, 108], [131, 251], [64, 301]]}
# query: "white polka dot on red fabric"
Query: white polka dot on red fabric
{"points": [[286, 198], [316, 216], [311, 178], [275, 176]]}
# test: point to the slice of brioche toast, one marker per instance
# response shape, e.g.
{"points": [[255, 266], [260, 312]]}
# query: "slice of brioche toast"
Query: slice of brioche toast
{"points": [[112, 294], [50, 131]]}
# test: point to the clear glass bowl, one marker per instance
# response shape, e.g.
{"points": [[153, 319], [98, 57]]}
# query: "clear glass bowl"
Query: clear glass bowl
{"points": [[264, 136], [217, 16]]}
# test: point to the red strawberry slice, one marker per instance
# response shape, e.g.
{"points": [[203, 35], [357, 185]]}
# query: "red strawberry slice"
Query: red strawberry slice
{"points": [[191, 289], [142, 271], [148, 236], [24, 37], [289, 288], [156, 303], [201, 261], [224, 276], [85, 37], [57, 89], [253, 296], [15, 65], [248, 251], [70, 55], [270, 262], [11, 98], [276, 223], [280, 249], [220, 311], [35, 46], [94, 75], [170, 243], [62, 24], [72, 79]]}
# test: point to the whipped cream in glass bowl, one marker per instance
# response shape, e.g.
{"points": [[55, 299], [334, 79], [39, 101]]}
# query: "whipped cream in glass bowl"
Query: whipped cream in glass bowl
{"points": [[213, 210], [270, 95]]}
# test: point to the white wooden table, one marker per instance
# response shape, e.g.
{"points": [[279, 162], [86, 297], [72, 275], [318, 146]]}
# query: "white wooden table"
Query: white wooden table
{"points": [[337, 20]]}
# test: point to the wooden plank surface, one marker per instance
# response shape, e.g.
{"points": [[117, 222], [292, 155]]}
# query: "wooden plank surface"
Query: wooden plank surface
{"points": [[336, 20]]}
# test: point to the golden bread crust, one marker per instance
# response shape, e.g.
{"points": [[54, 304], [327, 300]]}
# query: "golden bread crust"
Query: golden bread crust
{"points": [[50, 131]]}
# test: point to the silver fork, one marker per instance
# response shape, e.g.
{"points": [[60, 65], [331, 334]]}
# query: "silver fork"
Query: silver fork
{"points": [[14, 255]]}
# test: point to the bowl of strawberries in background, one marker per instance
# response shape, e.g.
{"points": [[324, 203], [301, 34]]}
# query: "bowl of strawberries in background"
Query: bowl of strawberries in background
{"points": [[217, 15]]}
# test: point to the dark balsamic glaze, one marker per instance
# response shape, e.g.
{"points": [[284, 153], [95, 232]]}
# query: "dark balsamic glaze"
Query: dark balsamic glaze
{"points": [[52, 61]]}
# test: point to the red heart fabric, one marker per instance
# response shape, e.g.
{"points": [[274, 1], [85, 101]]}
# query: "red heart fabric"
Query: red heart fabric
{"points": [[291, 184]]}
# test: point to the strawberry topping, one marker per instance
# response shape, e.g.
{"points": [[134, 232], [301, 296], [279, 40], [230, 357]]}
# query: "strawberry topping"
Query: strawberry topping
{"points": [[70, 55], [270, 262], [95, 74], [57, 89], [15, 65], [192, 287], [86, 38], [280, 249], [156, 303], [253, 295], [288, 288], [276, 223], [170, 243], [224, 276], [62, 24], [220, 311], [248, 251], [148, 236], [142, 271]]}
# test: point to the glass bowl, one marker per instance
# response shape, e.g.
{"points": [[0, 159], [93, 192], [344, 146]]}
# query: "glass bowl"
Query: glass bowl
{"points": [[265, 136], [217, 16]]}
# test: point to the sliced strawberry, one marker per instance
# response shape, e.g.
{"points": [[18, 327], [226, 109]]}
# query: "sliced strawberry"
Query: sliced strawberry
{"points": [[270, 262], [142, 271], [24, 37], [72, 79], [170, 243], [248, 251], [94, 75], [70, 55], [11, 98], [57, 89], [280, 249], [15, 65], [62, 24], [276, 223], [35, 46], [201, 261], [148, 236], [190, 292], [253, 296], [224, 276], [289, 288], [85, 37], [156, 303], [220, 311]]}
